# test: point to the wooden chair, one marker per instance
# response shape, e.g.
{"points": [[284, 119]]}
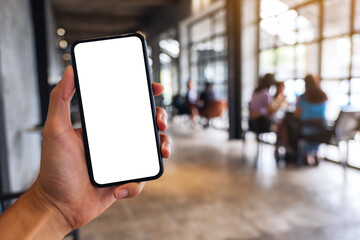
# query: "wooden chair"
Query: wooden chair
{"points": [[214, 109]]}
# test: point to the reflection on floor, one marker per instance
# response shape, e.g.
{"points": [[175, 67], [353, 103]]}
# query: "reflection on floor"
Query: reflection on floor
{"points": [[211, 191]]}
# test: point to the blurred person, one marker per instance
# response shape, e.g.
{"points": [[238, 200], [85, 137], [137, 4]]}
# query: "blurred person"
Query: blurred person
{"points": [[279, 97], [206, 96], [179, 105], [192, 101], [279, 126], [62, 198], [260, 107], [311, 108], [206, 108]]}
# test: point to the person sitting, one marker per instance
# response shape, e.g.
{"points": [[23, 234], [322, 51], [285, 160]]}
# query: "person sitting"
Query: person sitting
{"points": [[208, 106], [279, 125], [192, 101], [311, 107], [279, 97], [180, 106], [260, 107], [206, 97]]}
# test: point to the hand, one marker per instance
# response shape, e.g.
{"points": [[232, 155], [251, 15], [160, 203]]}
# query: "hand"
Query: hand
{"points": [[63, 183]]}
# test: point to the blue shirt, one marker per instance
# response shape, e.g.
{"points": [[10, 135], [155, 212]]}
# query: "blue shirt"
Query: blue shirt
{"points": [[311, 110]]}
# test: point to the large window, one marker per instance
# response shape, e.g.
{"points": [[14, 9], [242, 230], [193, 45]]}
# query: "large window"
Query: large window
{"points": [[296, 39], [208, 52], [320, 37]]}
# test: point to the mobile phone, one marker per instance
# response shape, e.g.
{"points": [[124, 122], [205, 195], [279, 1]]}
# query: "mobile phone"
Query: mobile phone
{"points": [[118, 115]]}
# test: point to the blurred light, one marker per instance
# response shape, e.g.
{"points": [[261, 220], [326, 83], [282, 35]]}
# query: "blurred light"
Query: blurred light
{"points": [[66, 56], [287, 21], [343, 51], [164, 58], [272, 8], [355, 86], [355, 100], [303, 22], [343, 46], [306, 35], [171, 47], [209, 73], [300, 49], [269, 25], [63, 44], [196, 5], [166, 81], [278, 19], [299, 87], [60, 32], [284, 26]]}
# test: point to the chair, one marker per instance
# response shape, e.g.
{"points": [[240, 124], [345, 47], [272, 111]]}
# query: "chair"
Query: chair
{"points": [[344, 130], [214, 109], [261, 127]]}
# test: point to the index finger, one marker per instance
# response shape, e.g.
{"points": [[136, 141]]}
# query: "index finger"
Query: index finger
{"points": [[157, 88]]}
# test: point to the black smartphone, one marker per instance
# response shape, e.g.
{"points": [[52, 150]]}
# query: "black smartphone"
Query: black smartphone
{"points": [[117, 109]]}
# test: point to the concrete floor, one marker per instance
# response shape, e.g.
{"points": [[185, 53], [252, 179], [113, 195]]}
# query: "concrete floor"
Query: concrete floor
{"points": [[211, 191]]}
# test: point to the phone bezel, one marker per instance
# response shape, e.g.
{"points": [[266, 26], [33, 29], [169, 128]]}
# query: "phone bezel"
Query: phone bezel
{"points": [[152, 102]]}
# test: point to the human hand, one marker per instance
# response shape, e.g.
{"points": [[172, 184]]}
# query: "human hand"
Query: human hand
{"points": [[63, 183]]}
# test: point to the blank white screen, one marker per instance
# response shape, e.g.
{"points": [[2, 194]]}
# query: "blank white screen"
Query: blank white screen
{"points": [[117, 109]]}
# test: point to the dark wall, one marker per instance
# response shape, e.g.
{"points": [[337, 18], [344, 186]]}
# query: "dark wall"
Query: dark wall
{"points": [[18, 87]]}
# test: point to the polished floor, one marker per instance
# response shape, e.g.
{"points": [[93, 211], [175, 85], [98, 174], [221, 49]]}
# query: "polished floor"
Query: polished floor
{"points": [[214, 189]]}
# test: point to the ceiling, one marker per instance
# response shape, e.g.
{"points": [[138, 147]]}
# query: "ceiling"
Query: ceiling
{"points": [[92, 18]]}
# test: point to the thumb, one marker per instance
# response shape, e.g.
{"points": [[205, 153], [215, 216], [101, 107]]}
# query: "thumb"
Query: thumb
{"points": [[59, 105]]}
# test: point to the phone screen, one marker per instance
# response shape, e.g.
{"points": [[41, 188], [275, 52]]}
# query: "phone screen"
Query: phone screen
{"points": [[116, 103]]}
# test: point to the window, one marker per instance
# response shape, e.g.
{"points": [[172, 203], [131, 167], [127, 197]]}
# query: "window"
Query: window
{"points": [[208, 52], [338, 96], [285, 66], [288, 39], [286, 28], [306, 59], [357, 15], [336, 17], [200, 30], [296, 39], [169, 53], [268, 32], [356, 56], [336, 58], [267, 61], [355, 92], [308, 23]]}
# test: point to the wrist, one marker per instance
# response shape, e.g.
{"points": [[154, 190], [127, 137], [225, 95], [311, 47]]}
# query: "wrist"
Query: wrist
{"points": [[36, 216], [49, 215]]}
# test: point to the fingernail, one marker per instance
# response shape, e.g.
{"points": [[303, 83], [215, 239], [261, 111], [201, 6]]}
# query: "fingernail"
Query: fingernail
{"points": [[163, 118], [168, 147], [122, 193]]}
